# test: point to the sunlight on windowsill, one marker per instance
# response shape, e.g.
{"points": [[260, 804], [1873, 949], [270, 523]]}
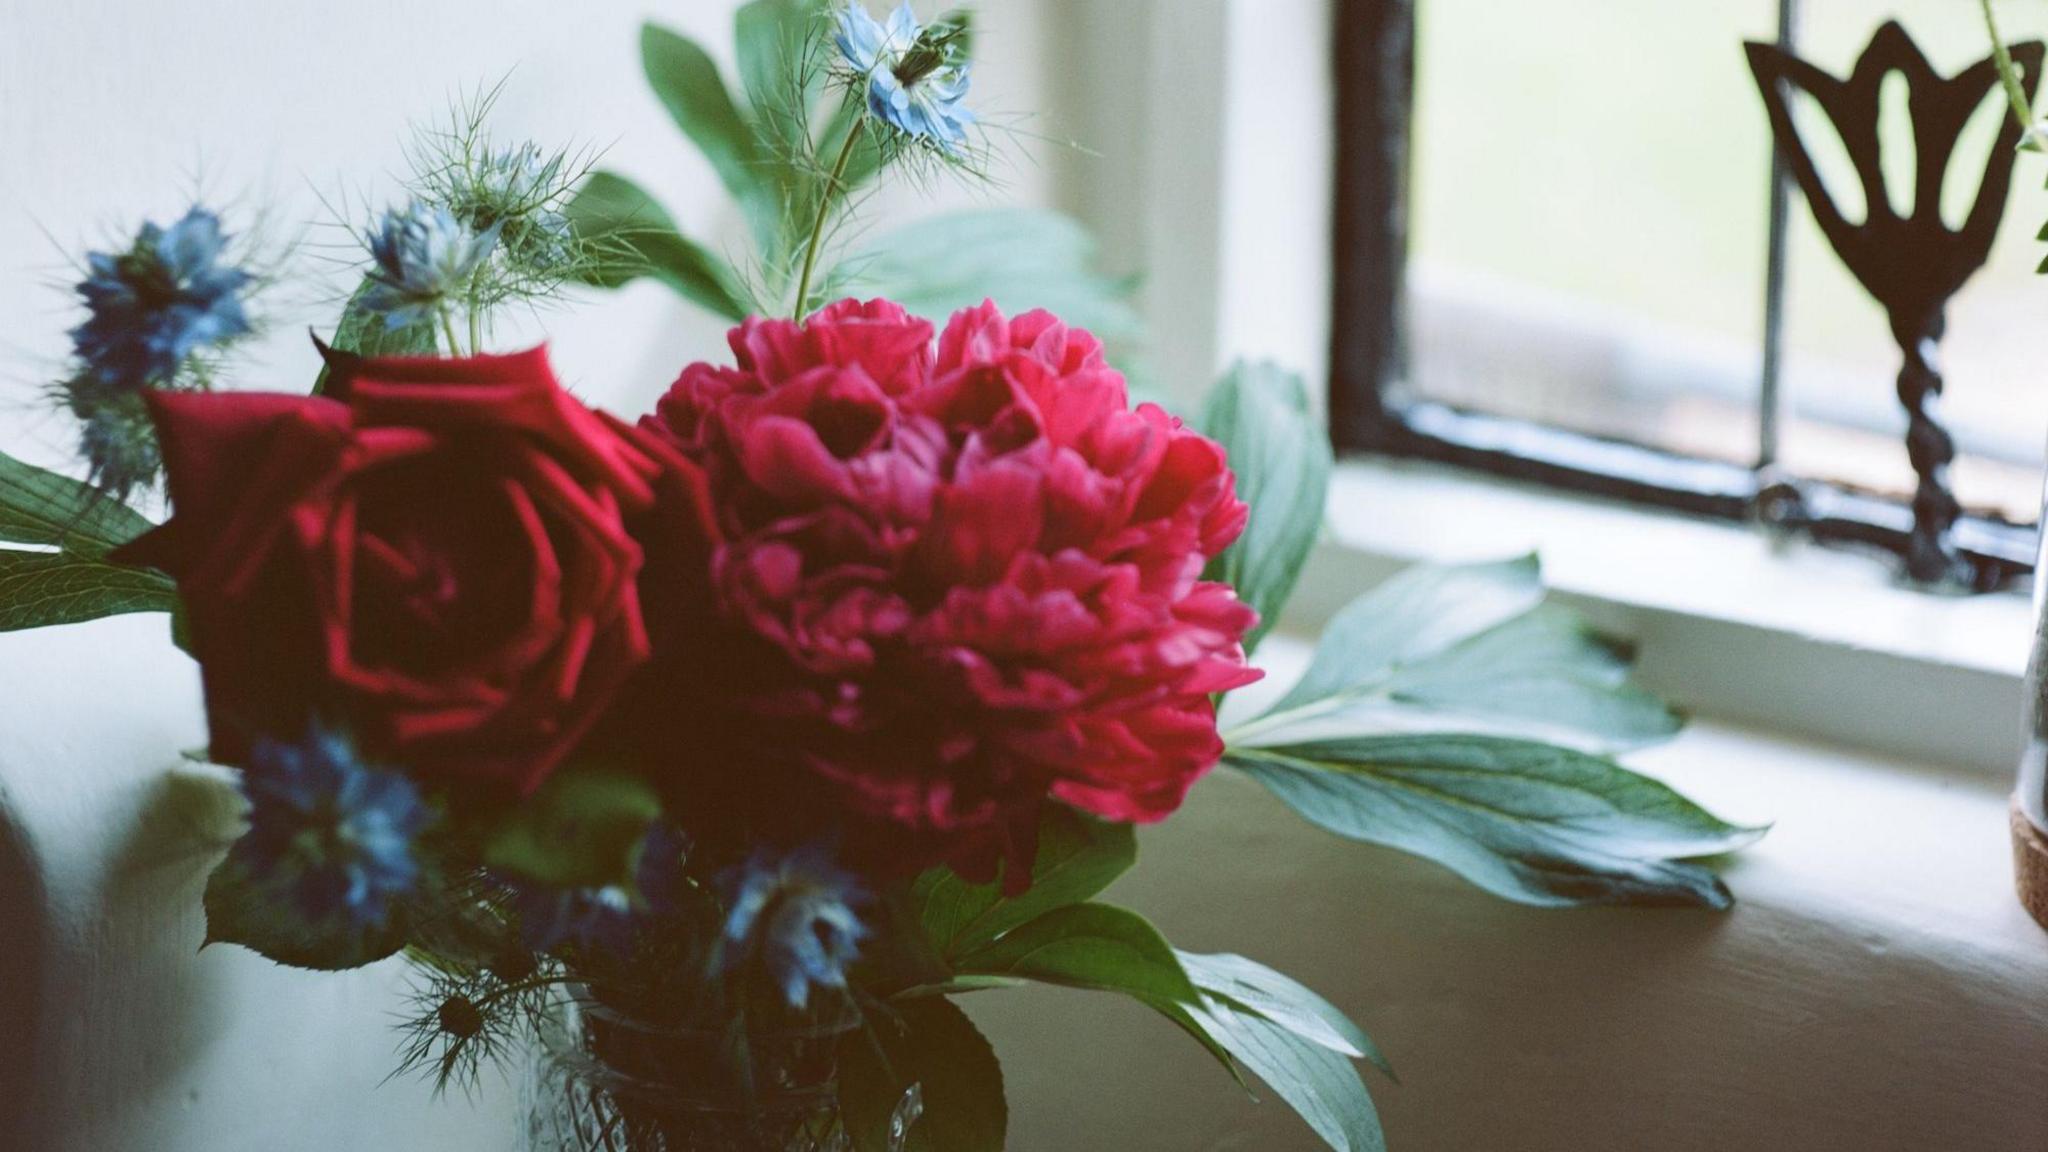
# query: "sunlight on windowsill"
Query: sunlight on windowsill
{"points": [[1811, 641]]}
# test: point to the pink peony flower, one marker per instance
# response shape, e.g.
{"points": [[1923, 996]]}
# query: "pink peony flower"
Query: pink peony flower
{"points": [[940, 588]]}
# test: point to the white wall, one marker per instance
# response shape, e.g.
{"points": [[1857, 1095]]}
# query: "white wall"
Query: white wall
{"points": [[111, 110]]}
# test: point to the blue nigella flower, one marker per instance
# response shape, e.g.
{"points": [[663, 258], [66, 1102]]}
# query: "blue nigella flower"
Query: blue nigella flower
{"points": [[592, 919], [151, 307], [605, 919], [424, 256], [794, 915], [912, 83], [335, 836]]}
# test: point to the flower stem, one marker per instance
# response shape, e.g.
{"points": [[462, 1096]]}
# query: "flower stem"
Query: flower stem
{"points": [[448, 332], [803, 284], [2015, 92]]}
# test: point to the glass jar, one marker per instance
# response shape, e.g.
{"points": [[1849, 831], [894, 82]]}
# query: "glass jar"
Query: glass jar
{"points": [[607, 1082], [2030, 803]]}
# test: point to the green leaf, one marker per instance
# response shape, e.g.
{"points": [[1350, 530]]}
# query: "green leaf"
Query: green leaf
{"points": [[1544, 672], [45, 510], [1280, 451], [38, 506], [932, 1044], [38, 589], [365, 332], [1529, 822], [1417, 614], [630, 236], [1088, 946], [1078, 857], [686, 81], [1020, 258], [583, 828], [1316, 1081], [1254, 987], [240, 910]]}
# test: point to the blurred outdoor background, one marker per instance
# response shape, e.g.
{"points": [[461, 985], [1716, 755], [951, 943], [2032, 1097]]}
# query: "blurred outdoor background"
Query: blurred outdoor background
{"points": [[1591, 208]]}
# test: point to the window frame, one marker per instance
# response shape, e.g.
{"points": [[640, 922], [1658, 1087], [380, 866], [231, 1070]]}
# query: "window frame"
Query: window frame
{"points": [[1375, 76]]}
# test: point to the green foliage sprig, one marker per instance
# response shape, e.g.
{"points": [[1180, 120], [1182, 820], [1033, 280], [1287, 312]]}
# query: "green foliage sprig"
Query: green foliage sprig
{"points": [[791, 153]]}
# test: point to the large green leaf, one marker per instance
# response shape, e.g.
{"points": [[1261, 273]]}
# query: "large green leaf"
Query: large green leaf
{"points": [[1020, 258], [1078, 857], [1262, 416], [1283, 1000], [930, 1044], [583, 828], [1088, 946], [1547, 671], [41, 507], [686, 81], [1416, 615], [240, 909], [46, 510], [628, 236], [1526, 821], [1318, 1082], [38, 589]]}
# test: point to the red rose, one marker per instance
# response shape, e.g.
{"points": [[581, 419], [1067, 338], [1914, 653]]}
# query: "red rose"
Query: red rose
{"points": [[942, 588], [434, 555]]}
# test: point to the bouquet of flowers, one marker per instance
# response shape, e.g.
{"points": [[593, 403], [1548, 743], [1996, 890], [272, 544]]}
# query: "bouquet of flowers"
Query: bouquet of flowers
{"points": [[703, 761]]}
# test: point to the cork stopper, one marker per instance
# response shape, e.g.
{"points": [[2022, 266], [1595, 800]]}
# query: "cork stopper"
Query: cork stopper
{"points": [[2030, 864]]}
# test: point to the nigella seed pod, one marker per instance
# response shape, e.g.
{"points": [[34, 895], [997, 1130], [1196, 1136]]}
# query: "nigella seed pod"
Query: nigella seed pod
{"points": [[460, 1017]]}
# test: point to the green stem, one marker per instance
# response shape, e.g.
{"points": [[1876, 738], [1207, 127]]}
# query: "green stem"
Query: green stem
{"points": [[2015, 92], [1314, 709], [448, 332], [803, 284], [529, 985], [476, 327]]}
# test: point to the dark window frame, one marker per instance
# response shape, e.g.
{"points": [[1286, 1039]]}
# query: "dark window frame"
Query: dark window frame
{"points": [[1375, 70]]}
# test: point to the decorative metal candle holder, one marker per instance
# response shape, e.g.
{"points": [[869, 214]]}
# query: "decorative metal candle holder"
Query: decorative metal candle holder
{"points": [[1912, 264]]}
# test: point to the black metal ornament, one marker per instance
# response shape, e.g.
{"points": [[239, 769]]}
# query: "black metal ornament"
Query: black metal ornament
{"points": [[1913, 264]]}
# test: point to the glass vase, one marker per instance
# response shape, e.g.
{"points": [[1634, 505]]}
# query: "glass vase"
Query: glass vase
{"points": [[605, 1081]]}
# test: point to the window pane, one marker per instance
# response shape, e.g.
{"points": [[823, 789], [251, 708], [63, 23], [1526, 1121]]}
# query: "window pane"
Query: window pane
{"points": [[1841, 365], [1591, 216]]}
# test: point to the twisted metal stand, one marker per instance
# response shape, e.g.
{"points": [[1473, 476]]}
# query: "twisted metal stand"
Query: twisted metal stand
{"points": [[1931, 557]]}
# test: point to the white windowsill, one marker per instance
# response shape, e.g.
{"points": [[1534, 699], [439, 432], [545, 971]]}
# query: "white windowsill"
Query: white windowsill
{"points": [[1794, 638]]}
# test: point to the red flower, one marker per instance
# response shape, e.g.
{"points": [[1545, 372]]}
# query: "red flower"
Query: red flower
{"points": [[941, 588], [433, 555]]}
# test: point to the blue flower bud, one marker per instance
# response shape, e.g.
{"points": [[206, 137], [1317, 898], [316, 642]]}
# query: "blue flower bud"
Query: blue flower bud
{"points": [[423, 258]]}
